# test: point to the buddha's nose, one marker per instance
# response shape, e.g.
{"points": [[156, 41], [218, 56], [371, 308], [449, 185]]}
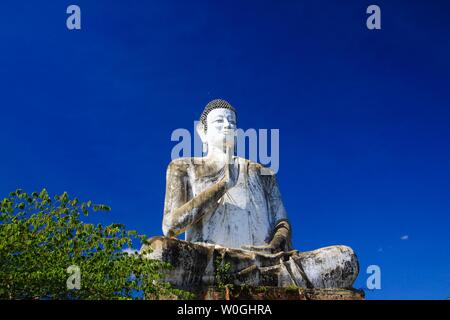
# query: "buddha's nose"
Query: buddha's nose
{"points": [[227, 124]]}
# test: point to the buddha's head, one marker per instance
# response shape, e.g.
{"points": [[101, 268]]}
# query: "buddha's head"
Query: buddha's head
{"points": [[217, 125]]}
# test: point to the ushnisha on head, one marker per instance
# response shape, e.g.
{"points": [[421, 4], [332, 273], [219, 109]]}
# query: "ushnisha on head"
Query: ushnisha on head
{"points": [[217, 126]]}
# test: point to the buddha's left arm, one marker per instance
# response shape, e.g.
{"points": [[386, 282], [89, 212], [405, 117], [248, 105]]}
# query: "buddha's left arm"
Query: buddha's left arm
{"points": [[281, 234], [280, 237]]}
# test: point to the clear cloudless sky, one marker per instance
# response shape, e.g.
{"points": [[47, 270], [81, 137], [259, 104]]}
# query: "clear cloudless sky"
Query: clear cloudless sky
{"points": [[364, 116]]}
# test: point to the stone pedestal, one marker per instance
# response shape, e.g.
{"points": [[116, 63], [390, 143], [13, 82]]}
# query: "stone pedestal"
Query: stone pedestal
{"points": [[277, 293], [269, 293]]}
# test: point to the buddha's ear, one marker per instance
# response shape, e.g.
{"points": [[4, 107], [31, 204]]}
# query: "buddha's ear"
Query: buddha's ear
{"points": [[201, 131]]}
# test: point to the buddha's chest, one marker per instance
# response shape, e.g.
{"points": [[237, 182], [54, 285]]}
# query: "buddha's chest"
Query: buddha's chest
{"points": [[242, 216], [247, 192]]}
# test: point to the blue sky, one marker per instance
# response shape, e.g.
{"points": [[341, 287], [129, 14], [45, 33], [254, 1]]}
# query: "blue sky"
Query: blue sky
{"points": [[364, 116]]}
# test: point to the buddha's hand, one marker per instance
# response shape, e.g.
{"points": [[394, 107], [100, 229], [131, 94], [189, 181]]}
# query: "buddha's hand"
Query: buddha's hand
{"points": [[277, 244], [232, 168], [267, 248]]}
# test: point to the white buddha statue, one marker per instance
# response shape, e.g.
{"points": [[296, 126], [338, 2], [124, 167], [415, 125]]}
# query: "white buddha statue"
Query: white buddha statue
{"points": [[232, 207], [220, 198]]}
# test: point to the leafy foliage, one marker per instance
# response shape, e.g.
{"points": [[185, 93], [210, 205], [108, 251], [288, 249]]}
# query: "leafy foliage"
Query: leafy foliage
{"points": [[222, 273], [41, 237]]}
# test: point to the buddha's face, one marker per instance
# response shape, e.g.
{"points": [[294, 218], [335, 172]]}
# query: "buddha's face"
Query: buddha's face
{"points": [[221, 128]]}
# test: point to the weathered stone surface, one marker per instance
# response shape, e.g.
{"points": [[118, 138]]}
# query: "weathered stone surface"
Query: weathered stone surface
{"points": [[194, 265], [270, 293], [277, 293]]}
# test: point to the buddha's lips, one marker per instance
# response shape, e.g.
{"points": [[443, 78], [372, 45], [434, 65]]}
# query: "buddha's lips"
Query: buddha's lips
{"points": [[228, 133]]}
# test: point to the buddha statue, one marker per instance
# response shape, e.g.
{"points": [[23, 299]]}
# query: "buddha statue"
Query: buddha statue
{"points": [[230, 210]]}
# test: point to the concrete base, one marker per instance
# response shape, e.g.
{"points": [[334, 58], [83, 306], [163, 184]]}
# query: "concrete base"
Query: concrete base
{"points": [[277, 293]]}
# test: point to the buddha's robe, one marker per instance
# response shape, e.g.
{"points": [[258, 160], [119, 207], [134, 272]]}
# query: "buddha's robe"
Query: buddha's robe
{"points": [[246, 214]]}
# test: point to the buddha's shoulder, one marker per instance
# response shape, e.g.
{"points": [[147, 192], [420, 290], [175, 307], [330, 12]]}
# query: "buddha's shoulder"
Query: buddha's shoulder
{"points": [[257, 167], [184, 163]]}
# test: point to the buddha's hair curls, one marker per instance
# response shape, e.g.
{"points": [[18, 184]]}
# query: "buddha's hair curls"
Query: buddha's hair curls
{"points": [[215, 104]]}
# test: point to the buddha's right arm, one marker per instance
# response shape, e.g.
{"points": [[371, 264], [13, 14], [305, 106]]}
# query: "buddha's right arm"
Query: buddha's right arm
{"points": [[179, 213]]}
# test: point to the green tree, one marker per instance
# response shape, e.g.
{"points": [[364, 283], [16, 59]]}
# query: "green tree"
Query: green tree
{"points": [[40, 237]]}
